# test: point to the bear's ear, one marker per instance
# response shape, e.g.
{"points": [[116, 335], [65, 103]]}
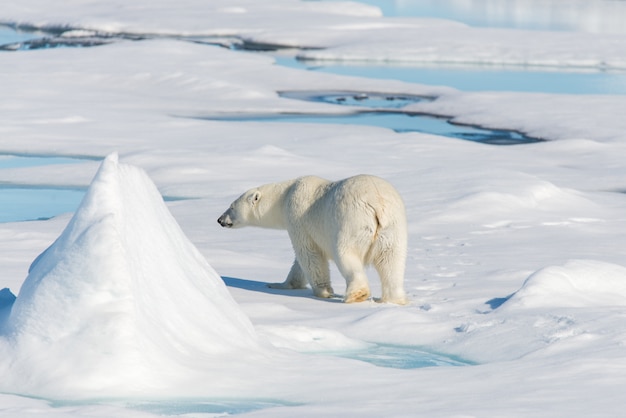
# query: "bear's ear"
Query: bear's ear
{"points": [[254, 197]]}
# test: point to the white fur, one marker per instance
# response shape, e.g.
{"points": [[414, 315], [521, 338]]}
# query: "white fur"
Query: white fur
{"points": [[355, 222]]}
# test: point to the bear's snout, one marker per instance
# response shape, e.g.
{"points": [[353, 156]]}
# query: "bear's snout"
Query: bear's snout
{"points": [[225, 221]]}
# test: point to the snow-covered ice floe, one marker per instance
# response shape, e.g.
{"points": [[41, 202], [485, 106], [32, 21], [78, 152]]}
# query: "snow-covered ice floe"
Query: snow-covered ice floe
{"points": [[485, 222], [122, 305]]}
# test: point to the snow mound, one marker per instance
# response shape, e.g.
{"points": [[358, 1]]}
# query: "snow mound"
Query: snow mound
{"points": [[121, 303], [529, 193], [577, 284], [485, 199]]}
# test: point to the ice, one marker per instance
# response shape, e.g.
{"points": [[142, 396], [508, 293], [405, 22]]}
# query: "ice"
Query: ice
{"points": [[126, 293], [341, 31], [515, 258]]}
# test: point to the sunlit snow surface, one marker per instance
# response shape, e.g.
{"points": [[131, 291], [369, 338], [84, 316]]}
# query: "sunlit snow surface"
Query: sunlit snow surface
{"points": [[125, 291], [515, 256]]}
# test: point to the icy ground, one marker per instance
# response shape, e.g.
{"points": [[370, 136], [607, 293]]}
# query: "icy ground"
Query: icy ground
{"points": [[516, 259]]}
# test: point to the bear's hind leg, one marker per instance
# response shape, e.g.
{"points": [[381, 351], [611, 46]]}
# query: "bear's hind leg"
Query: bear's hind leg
{"points": [[295, 279], [352, 269], [390, 267]]}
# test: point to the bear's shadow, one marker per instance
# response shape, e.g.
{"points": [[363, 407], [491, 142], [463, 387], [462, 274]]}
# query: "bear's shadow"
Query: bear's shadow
{"points": [[263, 287]]}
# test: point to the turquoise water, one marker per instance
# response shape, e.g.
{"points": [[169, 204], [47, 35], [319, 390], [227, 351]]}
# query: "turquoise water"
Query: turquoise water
{"points": [[11, 36], [470, 78], [17, 160], [474, 78], [403, 357], [594, 16], [19, 203], [399, 122], [384, 111], [381, 355], [26, 202], [603, 16], [181, 406]]}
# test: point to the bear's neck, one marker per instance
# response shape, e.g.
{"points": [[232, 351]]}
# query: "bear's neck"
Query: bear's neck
{"points": [[274, 214]]}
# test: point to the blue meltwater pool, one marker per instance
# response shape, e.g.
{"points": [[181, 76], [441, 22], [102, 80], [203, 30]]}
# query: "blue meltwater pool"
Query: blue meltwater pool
{"points": [[20, 202]]}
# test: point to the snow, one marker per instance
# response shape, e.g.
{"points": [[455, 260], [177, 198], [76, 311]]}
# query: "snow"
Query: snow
{"points": [[577, 284], [125, 291], [515, 253]]}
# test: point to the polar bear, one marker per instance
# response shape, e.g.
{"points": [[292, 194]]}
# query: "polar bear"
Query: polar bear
{"points": [[355, 222]]}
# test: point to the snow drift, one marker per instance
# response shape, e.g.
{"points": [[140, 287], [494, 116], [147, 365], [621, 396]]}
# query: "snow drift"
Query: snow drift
{"points": [[577, 284], [121, 303]]}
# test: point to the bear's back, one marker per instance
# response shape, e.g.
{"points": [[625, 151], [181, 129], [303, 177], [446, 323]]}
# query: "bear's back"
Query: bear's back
{"points": [[373, 191], [343, 196]]}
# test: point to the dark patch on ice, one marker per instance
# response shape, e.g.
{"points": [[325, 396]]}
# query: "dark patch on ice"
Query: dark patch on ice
{"points": [[495, 303], [246, 284], [59, 36], [244, 44], [370, 100], [47, 43], [53, 30], [167, 198], [620, 190], [7, 298], [263, 287]]}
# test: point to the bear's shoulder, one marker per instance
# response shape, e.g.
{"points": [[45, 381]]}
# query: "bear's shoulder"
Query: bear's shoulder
{"points": [[310, 181], [304, 192], [310, 185]]}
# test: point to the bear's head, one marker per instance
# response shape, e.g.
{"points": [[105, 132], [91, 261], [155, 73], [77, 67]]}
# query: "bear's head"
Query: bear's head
{"points": [[261, 206], [242, 211]]}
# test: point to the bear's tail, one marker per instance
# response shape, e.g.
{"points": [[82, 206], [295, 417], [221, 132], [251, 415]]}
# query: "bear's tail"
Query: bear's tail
{"points": [[389, 249]]}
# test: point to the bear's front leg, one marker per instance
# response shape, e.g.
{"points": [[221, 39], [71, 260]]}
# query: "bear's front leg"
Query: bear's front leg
{"points": [[315, 268], [295, 279]]}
